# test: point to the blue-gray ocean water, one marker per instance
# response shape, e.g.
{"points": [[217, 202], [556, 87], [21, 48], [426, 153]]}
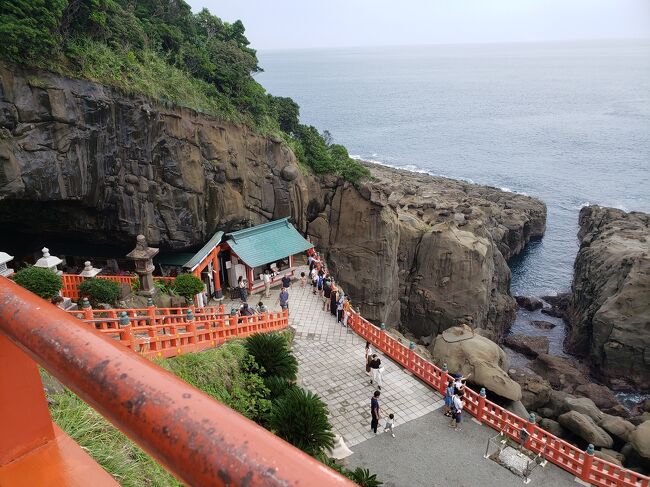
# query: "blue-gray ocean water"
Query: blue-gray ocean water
{"points": [[566, 122]]}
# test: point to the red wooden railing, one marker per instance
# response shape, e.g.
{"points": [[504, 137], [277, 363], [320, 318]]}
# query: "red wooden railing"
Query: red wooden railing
{"points": [[71, 281], [201, 441], [167, 332], [583, 465]]}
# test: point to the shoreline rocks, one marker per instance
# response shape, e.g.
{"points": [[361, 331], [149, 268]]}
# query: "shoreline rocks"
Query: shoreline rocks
{"points": [[531, 346], [609, 311]]}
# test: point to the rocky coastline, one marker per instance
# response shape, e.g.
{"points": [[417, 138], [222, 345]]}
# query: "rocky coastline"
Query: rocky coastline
{"points": [[423, 254]]}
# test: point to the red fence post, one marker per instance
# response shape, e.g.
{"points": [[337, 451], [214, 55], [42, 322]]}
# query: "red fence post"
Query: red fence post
{"points": [[87, 309], [481, 405], [24, 418], [530, 428], [587, 461], [411, 359], [444, 378]]}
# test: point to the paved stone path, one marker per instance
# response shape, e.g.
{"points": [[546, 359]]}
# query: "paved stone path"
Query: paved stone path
{"points": [[425, 451], [331, 364]]}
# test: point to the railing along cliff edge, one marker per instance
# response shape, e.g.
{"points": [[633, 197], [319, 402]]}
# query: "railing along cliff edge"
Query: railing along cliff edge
{"points": [[583, 465], [199, 440]]}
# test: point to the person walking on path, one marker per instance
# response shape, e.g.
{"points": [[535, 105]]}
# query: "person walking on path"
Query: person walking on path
{"points": [[375, 411], [284, 298], [457, 411], [347, 309], [368, 357], [377, 371], [390, 422], [286, 281], [334, 296], [449, 397], [243, 292], [303, 279], [266, 277], [314, 279], [327, 291], [339, 307]]}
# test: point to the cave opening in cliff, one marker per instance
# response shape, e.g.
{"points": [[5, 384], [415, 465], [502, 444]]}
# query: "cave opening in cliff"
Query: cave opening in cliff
{"points": [[68, 229]]}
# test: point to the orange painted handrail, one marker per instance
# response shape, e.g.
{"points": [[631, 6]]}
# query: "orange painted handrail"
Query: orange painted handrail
{"points": [[168, 332], [565, 455], [71, 281], [199, 440]]}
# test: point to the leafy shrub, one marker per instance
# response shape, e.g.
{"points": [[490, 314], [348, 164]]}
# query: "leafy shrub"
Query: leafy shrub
{"points": [[300, 417], [164, 287], [42, 282], [363, 477], [272, 353], [228, 374], [188, 285], [100, 290], [277, 386]]}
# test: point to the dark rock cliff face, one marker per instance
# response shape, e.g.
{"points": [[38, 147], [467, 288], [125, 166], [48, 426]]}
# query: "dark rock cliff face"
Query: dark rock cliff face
{"points": [[79, 157], [428, 252], [609, 310], [85, 161]]}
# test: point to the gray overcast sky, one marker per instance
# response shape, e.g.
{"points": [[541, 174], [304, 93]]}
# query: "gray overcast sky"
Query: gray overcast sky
{"points": [[285, 24]]}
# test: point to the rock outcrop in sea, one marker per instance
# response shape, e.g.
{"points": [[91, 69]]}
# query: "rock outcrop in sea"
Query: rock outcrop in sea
{"points": [[609, 312], [83, 161]]}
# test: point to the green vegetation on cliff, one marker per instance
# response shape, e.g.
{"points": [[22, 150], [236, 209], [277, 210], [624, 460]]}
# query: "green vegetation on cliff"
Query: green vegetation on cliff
{"points": [[160, 49]]}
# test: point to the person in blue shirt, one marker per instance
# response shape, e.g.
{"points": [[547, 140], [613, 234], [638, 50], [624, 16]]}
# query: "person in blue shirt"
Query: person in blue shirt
{"points": [[284, 298]]}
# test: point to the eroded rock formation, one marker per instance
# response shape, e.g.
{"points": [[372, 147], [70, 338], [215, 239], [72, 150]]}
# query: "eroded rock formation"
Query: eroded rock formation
{"points": [[440, 258], [609, 310]]}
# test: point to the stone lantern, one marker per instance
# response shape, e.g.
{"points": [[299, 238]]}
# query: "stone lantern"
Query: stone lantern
{"points": [[143, 256], [89, 271], [49, 262], [4, 259]]}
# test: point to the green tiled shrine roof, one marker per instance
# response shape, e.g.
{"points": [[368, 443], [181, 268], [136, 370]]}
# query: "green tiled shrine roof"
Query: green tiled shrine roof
{"points": [[267, 243]]}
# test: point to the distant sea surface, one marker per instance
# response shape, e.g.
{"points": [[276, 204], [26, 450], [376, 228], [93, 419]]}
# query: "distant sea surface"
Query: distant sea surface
{"points": [[568, 123]]}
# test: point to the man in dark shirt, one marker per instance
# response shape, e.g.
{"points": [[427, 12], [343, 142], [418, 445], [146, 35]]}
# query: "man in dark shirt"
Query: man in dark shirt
{"points": [[286, 281], [284, 299], [374, 411]]}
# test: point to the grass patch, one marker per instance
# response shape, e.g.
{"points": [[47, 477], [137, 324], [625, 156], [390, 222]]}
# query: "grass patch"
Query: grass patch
{"points": [[118, 455]]}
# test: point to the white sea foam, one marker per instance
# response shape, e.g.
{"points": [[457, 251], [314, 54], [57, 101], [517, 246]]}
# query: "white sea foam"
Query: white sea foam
{"points": [[419, 170]]}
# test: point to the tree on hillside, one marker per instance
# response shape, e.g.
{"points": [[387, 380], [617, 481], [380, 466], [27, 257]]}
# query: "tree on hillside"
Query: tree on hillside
{"points": [[29, 28]]}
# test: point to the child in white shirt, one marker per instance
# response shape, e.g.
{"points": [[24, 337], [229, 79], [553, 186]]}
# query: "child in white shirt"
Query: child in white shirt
{"points": [[390, 422]]}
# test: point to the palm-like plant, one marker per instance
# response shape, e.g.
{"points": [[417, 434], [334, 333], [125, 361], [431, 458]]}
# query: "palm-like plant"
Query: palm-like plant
{"points": [[363, 477], [272, 353], [300, 417]]}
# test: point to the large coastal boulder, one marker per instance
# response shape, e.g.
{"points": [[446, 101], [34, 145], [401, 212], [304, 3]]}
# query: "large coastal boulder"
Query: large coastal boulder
{"points": [[584, 406], [619, 428], [531, 303], [561, 373], [468, 353], [610, 306], [585, 427], [531, 346], [602, 396], [640, 440], [535, 391]]}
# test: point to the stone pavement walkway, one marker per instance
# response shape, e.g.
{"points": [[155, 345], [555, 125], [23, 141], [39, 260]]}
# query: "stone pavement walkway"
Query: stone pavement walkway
{"points": [[425, 451], [331, 364]]}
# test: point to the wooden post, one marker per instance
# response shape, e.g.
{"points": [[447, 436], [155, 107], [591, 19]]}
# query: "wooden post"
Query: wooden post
{"points": [[587, 463], [481, 406], [444, 377], [24, 418], [218, 293]]}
